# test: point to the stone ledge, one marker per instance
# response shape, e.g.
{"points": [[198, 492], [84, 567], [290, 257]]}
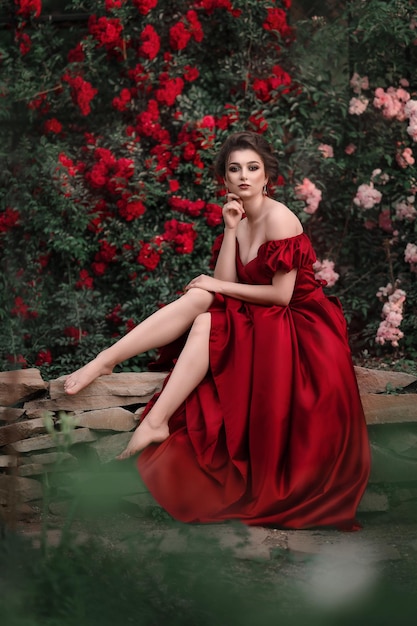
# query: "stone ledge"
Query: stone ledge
{"points": [[104, 414]]}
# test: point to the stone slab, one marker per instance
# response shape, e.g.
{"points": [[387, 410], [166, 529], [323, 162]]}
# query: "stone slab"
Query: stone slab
{"points": [[48, 458], [79, 435], [388, 467], [373, 502], [35, 469], [37, 413], [108, 447], [24, 489], [124, 384], [21, 430], [84, 403], [389, 409], [8, 414], [17, 385], [378, 381], [115, 418], [8, 460]]}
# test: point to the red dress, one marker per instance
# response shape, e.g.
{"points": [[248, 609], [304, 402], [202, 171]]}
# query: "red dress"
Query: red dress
{"points": [[275, 434]]}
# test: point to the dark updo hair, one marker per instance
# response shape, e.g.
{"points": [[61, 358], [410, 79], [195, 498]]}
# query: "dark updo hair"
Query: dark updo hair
{"points": [[245, 140]]}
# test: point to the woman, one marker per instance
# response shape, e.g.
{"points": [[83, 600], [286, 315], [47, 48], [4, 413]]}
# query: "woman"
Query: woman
{"points": [[260, 419]]}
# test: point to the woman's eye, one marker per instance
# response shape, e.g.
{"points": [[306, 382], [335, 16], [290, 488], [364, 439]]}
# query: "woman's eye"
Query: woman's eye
{"points": [[233, 168], [253, 168]]}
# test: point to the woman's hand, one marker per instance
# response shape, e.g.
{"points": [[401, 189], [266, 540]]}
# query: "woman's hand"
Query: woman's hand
{"points": [[208, 283], [233, 211]]}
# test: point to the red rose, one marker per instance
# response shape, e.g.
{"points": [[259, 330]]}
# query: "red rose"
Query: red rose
{"points": [[97, 177], [277, 20], [195, 26], [173, 185], [107, 31], [213, 214], [259, 122], [144, 6], [113, 4], [53, 126], [189, 151], [27, 7], [130, 210], [179, 36], [190, 73], [21, 309], [84, 281], [181, 234], [149, 256], [114, 317], [121, 102], [211, 5], [17, 359], [99, 268], [170, 89], [24, 41], [76, 334], [76, 55], [44, 358], [82, 92], [151, 44], [107, 252], [9, 219]]}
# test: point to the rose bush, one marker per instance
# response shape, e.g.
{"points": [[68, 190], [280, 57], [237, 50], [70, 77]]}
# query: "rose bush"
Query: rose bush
{"points": [[111, 120]]}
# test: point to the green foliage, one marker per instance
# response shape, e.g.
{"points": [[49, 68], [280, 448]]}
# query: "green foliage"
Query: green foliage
{"points": [[110, 123]]}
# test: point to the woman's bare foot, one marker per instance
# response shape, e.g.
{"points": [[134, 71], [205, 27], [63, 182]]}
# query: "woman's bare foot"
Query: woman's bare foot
{"points": [[85, 375], [145, 434]]}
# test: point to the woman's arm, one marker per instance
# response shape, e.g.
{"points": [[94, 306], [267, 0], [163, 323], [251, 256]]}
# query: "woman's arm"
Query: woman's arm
{"points": [[278, 293], [225, 268], [226, 261]]}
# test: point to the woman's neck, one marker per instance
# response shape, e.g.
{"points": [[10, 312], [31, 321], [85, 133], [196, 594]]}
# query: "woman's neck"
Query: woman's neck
{"points": [[254, 209]]}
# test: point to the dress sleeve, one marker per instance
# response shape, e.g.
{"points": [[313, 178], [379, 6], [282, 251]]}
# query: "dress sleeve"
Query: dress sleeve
{"points": [[287, 254], [215, 249]]}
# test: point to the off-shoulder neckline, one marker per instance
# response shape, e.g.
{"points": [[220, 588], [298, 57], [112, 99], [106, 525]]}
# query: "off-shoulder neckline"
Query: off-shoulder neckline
{"points": [[264, 244]]}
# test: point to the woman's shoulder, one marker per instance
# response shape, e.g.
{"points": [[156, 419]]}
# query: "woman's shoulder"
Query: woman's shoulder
{"points": [[281, 222]]}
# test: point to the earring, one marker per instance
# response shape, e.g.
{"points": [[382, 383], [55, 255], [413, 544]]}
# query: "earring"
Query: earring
{"points": [[265, 190]]}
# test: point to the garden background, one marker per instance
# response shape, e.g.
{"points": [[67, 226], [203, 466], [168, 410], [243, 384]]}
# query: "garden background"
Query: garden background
{"points": [[111, 113]]}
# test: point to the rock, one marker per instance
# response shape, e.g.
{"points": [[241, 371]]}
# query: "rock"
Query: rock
{"points": [[388, 467], [389, 409], [8, 414], [377, 381], [37, 413], [124, 384], [107, 419], [24, 489], [8, 460], [107, 448], [18, 385], [21, 430], [19, 510], [33, 469], [48, 458], [79, 435], [84, 403], [373, 502]]}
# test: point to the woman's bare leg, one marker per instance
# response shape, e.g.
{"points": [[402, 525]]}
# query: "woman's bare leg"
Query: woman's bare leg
{"points": [[162, 327], [189, 371]]}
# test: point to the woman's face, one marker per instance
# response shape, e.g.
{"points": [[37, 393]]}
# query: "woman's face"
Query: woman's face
{"points": [[245, 173]]}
